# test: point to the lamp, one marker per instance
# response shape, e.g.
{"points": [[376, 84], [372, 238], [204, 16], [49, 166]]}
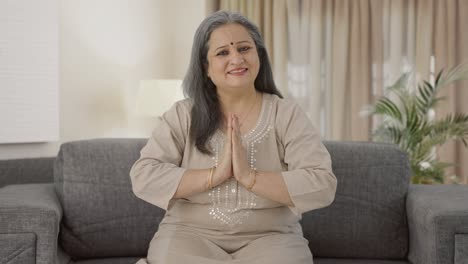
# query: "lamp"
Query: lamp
{"points": [[156, 96]]}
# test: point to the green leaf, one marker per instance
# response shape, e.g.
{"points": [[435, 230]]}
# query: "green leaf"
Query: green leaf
{"points": [[386, 107], [405, 122], [437, 79]]}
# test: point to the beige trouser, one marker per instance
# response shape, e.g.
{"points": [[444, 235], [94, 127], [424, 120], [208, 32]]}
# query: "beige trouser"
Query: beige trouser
{"points": [[182, 245]]}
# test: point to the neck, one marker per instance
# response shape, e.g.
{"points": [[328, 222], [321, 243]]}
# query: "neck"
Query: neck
{"points": [[236, 102]]}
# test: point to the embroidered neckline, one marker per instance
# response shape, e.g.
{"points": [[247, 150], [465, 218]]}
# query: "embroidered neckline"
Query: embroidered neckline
{"points": [[248, 136]]}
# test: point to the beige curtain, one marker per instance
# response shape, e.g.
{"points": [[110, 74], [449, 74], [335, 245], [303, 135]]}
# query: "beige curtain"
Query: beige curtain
{"points": [[271, 18], [426, 36], [330, 64], [450, 48], [343, 54], [336, 56]]}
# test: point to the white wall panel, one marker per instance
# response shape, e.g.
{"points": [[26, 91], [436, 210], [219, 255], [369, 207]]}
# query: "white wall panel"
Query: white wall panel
{"points": [[29, 61]]}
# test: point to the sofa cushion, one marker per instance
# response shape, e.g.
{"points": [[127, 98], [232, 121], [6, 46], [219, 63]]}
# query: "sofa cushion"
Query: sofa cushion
{"points": [[367, 218], [30, 209], [357, 261], [101, 215], [461, 248], [19, 248], [109, 261]]}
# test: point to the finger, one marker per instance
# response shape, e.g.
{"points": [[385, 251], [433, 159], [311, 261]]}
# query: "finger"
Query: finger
{"points": [[229, 121], [240, 148], [237, 130], [229, 130], [235, 124], [233, 117]]}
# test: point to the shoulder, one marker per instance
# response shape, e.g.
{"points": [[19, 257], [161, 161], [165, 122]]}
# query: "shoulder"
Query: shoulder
{"points": [[180, 109], [178, 115], [184, 105], [284, 108], [288, 117]]}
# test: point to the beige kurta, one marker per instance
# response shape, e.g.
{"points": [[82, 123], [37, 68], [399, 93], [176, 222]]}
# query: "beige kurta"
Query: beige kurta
{"points": [[227, 218]]}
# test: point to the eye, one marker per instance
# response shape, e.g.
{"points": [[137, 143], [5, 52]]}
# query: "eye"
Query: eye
{"points": [[222, 53], [246, 48]]}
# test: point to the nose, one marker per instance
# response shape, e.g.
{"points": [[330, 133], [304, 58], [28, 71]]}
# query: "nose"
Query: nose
{"points": [[236, 58]]}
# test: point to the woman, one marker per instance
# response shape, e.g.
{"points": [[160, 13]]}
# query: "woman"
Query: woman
{"points": [[234, 165]]}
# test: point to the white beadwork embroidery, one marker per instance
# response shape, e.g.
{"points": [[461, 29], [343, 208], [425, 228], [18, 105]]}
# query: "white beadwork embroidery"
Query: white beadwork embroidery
{"points": [[231, 203]]}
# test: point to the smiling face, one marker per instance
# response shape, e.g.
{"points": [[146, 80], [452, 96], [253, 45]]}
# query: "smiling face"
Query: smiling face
{"points": [[233, 61]]}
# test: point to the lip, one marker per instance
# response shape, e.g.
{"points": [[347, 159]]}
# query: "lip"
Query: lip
{"points": [[238, 71]]}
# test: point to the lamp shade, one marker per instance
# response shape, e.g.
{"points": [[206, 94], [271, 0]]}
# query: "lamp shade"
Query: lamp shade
{"points": [[156, 96]]}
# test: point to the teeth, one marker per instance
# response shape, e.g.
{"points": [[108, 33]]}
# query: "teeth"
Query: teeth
{"points": [[237, 71]]}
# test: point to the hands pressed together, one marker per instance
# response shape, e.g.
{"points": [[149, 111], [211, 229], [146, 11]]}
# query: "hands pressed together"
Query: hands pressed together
{"points": [[233, 162]]}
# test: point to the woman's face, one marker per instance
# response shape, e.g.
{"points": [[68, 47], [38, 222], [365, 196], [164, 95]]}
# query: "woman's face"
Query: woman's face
{"points": [[233, 61]]}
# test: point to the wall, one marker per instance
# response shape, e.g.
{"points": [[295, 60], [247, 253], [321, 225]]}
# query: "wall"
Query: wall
{"points": [[29, 61], [106, 47]]}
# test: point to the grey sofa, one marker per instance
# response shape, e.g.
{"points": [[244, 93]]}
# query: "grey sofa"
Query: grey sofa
{"points": [[90, 215]]}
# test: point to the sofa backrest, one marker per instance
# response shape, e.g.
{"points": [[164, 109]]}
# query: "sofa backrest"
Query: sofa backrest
{"points": [[26, 170], [367, 219], [101, 215], [103, 218]]}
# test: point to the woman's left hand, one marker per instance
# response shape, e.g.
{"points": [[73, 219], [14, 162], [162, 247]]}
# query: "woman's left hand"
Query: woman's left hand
{"points": [[240, 165]]}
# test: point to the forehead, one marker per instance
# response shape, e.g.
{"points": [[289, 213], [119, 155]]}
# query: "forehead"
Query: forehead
{"points": [[226, 34]]}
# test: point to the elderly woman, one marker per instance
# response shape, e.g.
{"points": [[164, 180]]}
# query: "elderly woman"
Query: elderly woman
{"points": [[234, 165]]}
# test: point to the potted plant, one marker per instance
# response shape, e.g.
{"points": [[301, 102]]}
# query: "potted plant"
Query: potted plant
{"points": [[408, 119]]}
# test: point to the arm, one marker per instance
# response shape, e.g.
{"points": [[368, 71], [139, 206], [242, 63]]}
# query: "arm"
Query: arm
{"points": [[266, 184], [157, 177], [157, 173], [309, 182], [29, 223], [272, 186], [192, 182], [197, 181], [309, 179], [438, 223]]}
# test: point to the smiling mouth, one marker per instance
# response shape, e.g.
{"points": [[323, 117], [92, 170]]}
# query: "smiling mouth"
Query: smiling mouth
{"points": [[237, 71]]}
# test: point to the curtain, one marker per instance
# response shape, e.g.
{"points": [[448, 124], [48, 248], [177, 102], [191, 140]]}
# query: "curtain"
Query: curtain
{"points": [[330, 65], [450, 48], [336, 56], [344, 53]]}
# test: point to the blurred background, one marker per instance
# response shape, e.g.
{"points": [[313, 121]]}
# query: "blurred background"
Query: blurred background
{"points": [[73, 70]]}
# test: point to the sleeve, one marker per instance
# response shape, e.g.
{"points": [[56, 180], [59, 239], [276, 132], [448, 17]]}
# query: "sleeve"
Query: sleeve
{"points": [[309, 177], [157, 173]]}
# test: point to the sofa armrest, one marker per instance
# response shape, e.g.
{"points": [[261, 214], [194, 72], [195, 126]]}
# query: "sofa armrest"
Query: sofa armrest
{"points": [[438, 223], [29, 223]]}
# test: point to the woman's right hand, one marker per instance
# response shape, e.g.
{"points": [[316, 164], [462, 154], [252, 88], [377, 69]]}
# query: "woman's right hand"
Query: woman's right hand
{"points": [[224, 170]]}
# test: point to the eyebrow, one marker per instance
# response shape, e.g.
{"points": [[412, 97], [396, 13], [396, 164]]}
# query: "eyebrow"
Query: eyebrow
{"points": [[235, 43]]}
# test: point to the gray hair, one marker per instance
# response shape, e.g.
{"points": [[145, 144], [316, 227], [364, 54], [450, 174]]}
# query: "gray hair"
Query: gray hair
{"points": [[206, 115]]}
